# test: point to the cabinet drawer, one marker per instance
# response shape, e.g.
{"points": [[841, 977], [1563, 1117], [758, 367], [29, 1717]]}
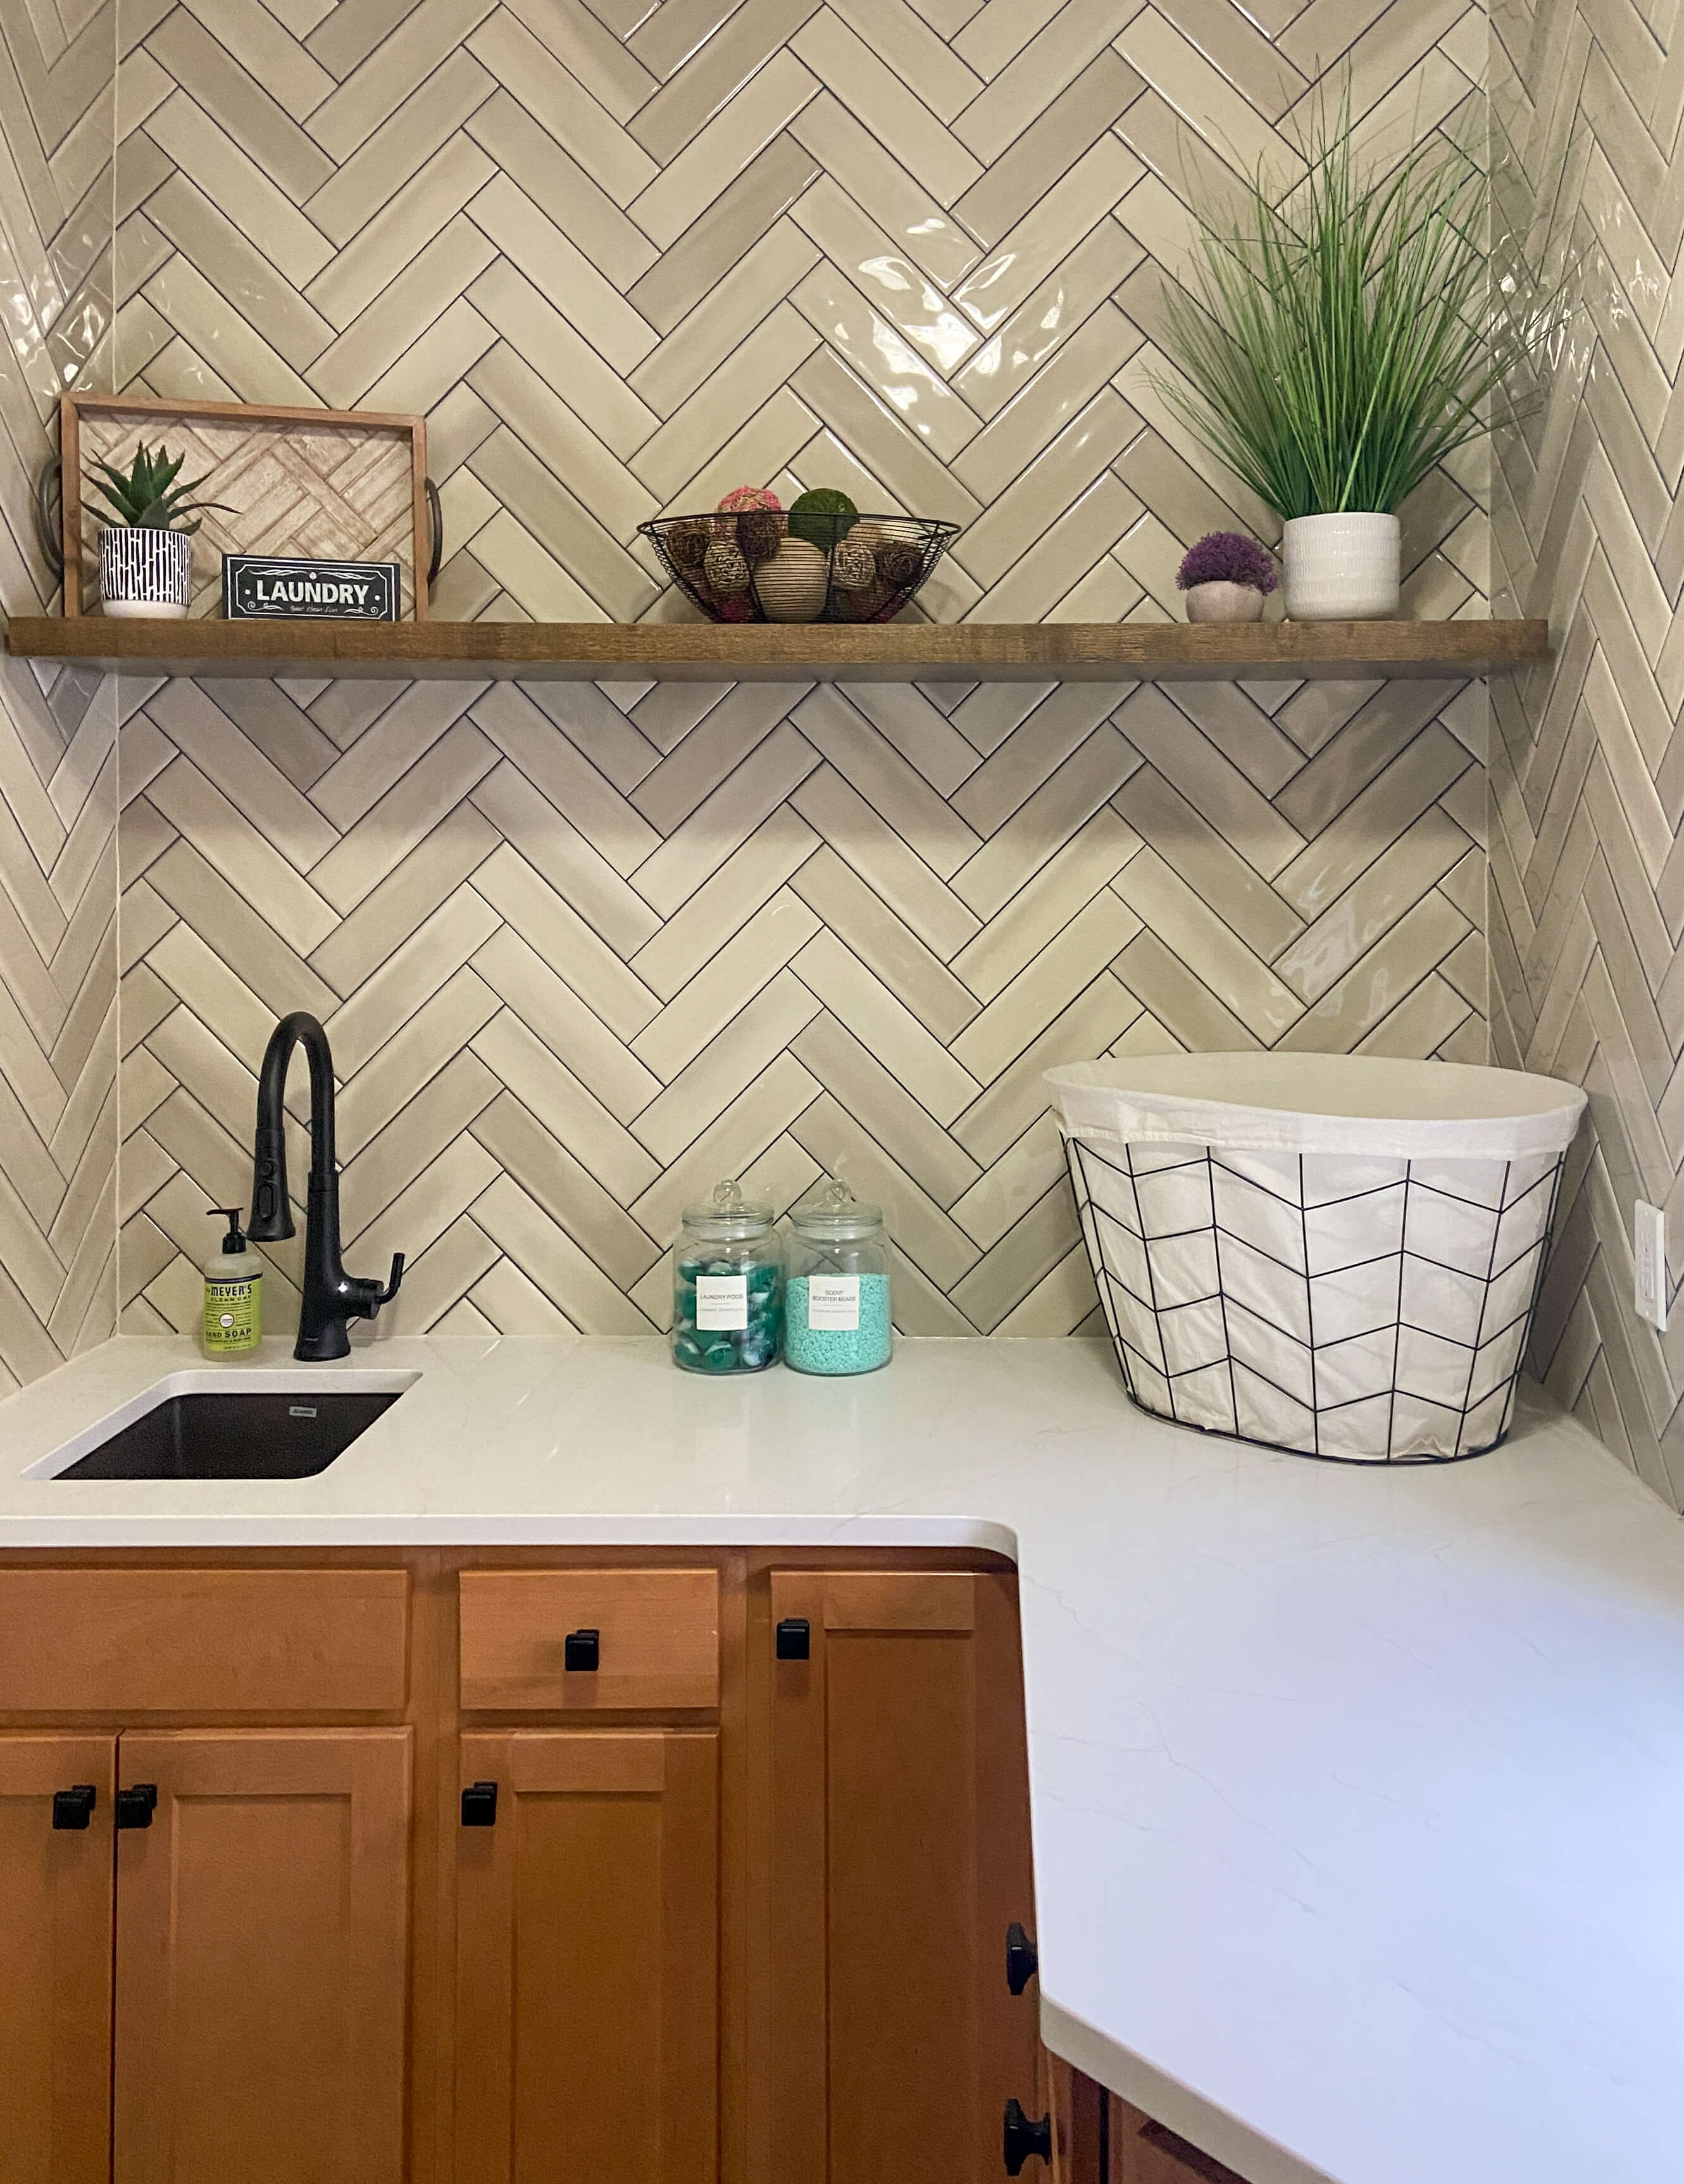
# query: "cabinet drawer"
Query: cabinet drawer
{"points": [[225, 1641], [657, 1639]]}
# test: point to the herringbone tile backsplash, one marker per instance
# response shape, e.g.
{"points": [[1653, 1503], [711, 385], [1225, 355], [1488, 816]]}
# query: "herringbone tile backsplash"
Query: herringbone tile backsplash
{"points": [[57, 768], [1587, 773], [582, 952]]}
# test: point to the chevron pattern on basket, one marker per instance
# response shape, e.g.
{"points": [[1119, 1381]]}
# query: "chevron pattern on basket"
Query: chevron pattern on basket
{"points": [[582, 951], [626, 256], [58, 772], [1587, 757]]}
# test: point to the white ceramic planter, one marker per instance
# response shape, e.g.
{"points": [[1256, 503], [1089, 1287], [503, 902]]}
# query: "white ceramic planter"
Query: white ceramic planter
{"points": [[145, 573], [1342, 568], [1222, 601]]}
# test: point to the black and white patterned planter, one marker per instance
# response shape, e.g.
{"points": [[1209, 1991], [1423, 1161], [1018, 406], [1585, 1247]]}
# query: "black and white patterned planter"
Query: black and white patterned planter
{"points": [[146, 572]]}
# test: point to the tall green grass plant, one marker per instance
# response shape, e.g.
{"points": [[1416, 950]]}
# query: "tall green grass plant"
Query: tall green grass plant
{"points": [[1340, 340]]}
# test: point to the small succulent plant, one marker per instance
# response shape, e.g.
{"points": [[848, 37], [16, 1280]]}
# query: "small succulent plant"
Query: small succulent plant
{"points": [[148, 497], [1227, 557]]}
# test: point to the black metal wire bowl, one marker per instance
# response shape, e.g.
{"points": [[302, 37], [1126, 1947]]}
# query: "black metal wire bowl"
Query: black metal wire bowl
{"points": [[799, 566]]}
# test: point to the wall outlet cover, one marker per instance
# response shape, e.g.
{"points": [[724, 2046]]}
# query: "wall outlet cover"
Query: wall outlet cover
{"points": [[1650, 1247]]}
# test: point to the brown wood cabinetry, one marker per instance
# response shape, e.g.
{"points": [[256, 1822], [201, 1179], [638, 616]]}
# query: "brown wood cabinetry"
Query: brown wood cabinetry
{"points": [[262, 1939], [55, 1959], [894, 1844], [734, 1913], [588, 1957]]}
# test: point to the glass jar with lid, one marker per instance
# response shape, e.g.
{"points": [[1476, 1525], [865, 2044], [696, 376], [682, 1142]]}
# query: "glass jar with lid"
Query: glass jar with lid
{"points": [[727, 1285], [836, 1310]]}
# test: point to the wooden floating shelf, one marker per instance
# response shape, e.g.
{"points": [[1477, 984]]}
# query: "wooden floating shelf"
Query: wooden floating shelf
{"points": [[707, 652]]}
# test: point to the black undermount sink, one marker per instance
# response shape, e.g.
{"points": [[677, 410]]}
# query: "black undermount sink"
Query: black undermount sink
{"points": [[234, 1435]]}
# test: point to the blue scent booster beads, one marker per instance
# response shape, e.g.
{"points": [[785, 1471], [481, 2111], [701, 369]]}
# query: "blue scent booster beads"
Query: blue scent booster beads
{"points": [[837, 1350]]}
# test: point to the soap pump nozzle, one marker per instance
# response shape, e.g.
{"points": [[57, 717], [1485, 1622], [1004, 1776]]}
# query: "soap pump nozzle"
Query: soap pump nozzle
{"points": [[234, 1241]]}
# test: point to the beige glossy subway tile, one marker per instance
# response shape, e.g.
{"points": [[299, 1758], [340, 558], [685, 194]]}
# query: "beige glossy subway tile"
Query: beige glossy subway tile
{"points": [[1209, 780], [894, 789], [1196, 933], [1063, 553], [684, 106], [404, 225], [567, 1192], [1048, 233], [1015, 368], [739, 1142], [231, 179], [1061, 134], [1034, 917], [531, 158], [1375, 984], [1051, 484], [759, 450], [679, 191], [884, 104], [1052, 59], [424, 37], [401, 315], [579, 35], [724, 318], [1045, 821], [893, 285], [561, 105], [888, 447], [401, 147], [256, 113], [701, 425], [689, 272], [1191, 846], [896, 371], [858, 916], [733, 978], [882, 858], [902, 206], [667, 35]]}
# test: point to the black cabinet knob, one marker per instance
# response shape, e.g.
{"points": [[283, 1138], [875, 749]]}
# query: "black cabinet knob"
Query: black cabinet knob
{"points": [[583, 1651], [1021, 1961], [1024, 2139], [73, 1808], [479, 1805], [794, 1639], [136, 1804]]}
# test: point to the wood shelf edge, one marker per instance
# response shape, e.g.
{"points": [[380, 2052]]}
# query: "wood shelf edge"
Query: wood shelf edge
{"points": [[706, 651]]}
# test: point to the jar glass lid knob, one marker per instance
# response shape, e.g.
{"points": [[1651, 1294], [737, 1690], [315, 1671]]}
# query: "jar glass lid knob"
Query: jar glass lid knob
{"points": [[832, 1212], [727, 1213]]}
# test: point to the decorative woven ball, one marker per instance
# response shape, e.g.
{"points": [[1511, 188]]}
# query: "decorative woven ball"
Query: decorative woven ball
{"points": [[898, 561], [739, 607], [726, 567], [760, 533], [868, 534], [743, 497], [794, 584], [822, 516], [854, 565], [687, 543]]}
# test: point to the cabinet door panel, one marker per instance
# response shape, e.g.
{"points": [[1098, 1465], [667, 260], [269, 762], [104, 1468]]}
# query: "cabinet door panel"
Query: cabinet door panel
{"points": [[587, 1936], [896, 1845], [55, 1962], [262, 1958]]}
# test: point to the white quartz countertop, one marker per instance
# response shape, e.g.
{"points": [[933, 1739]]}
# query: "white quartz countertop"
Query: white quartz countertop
{"points": [[1359, 1794]]}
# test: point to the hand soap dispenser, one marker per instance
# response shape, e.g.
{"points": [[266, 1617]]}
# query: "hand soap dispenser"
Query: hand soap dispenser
{"points": [[233, 1310]]}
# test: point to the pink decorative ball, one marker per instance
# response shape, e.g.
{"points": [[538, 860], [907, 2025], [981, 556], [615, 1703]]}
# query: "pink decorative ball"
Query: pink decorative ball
{"points": [[743, 497]]}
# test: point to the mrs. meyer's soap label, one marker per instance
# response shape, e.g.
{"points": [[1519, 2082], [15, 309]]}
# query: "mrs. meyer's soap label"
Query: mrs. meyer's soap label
{"points": [[833, 1303], [268, 587], [722, 1303]]}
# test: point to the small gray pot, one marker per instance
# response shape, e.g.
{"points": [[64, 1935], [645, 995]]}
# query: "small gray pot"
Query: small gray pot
{"points": [[146, 572]]}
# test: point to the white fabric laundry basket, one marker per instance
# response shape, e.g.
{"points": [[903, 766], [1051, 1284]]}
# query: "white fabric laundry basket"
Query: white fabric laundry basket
{"points": [[1336, 1254]]}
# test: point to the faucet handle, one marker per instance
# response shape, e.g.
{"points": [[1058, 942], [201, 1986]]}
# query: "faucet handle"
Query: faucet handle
{"points": [[393, 1285]]}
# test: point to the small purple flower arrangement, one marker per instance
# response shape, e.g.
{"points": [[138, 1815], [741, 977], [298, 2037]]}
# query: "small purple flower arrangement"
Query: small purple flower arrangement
{"points": [[1225, 557]]}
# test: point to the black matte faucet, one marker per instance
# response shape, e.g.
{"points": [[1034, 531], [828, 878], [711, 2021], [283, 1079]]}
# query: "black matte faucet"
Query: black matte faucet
{"points": [[331, 1295]]}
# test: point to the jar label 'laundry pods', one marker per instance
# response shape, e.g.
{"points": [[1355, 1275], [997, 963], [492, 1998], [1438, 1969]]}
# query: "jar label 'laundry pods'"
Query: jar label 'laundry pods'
{"points": [[834, 1303], [722, 1303]]}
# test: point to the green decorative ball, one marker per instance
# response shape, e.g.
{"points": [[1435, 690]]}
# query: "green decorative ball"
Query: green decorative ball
{"points": [[821, 516]]}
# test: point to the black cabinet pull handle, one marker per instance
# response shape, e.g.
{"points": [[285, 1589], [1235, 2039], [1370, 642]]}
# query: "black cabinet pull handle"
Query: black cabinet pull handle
{"points": [[73, 1808], [1024, 2139], [479, 1805], [1022, 1960], [794, 1639], [137, 1805], [583, 1651]]}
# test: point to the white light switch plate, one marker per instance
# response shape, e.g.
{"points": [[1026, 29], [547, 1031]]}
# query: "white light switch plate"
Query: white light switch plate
{"points": [[1649, 1244]]}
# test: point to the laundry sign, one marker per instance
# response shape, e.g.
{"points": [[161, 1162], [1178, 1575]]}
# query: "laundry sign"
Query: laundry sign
{"points": [[258, 587]]}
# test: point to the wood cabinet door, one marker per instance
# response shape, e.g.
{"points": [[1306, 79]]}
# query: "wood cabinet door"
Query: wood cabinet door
{"points": [[262, 1923], [891, 1826], [55, 1962], [587, 1952]]}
